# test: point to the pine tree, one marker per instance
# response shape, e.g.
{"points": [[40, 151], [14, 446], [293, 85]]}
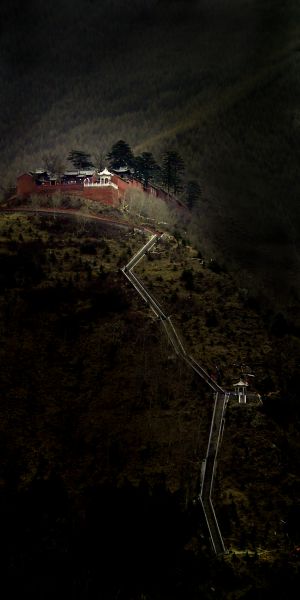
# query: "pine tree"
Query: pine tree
{"points": [[120, 155], [172, 171], [80, 160], [145, 168], [193, 193]]}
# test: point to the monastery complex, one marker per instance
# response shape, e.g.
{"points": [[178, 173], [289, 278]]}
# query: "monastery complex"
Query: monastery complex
{"points": [[107, 187]]}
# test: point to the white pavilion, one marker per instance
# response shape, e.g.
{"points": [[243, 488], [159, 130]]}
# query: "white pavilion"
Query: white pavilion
{"points": [[241, 391]]}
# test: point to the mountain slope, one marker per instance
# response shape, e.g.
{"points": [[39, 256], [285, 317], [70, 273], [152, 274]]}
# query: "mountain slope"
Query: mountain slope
{"points": [[218, 81]]}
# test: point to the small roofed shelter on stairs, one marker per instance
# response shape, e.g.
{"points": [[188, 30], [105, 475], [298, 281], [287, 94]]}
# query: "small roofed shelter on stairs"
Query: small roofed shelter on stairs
{"points": [[241, 391]]}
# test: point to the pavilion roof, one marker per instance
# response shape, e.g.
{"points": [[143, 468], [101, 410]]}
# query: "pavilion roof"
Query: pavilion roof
{"points": [[105, 172]]}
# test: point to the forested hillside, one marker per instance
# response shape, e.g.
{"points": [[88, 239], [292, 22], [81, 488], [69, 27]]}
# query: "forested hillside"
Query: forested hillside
{"points": [[104, 428], [216, 81]]}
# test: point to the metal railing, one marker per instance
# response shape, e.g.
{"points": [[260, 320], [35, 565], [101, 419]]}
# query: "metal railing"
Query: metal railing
{"points": [[208, 472], [98, 184], [221, 397]]}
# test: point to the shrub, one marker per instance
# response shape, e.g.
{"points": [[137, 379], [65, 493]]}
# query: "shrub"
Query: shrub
{"points": [[215, 267], [187, 277], [88, 248], [211, 319]]}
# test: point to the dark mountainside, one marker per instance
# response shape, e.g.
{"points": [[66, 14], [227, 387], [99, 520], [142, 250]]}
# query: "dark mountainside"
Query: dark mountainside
{"points": [[103, 429], [216, 80]]}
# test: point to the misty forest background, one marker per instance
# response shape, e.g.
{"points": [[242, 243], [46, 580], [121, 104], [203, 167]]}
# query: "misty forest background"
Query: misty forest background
{"points": [[217, 81]]}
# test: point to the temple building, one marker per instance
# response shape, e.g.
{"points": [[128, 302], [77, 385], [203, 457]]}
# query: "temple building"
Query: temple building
{"points": [[107, 187], [99, 186]]}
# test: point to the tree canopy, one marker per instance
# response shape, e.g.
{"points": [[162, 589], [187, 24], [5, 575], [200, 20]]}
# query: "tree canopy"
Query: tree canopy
{"points": [[99, 160], [193, 193], [53, 164], [120, 155], [145, 168], [172, 171], [80, 159]]}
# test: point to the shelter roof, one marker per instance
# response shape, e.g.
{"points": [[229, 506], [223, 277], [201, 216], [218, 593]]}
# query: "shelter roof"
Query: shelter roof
{"points": [[241, 383]]}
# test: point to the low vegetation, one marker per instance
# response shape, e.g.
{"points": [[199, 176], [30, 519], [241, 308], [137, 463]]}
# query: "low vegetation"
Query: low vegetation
{"points": [[104, 430]]}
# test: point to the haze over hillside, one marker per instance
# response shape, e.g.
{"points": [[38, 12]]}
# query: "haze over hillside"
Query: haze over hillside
{"points": [[218, 81]]}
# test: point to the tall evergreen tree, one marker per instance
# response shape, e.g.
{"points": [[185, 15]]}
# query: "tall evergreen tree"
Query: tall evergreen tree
{"points": [[145, 168], [193, 193], [80, 160], [120, 155], [172, 171]]}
